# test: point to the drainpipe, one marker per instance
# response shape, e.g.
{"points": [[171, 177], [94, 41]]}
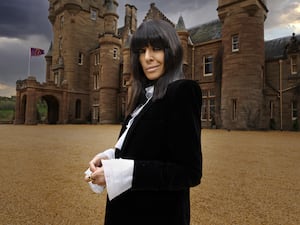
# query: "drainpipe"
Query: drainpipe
{"points": [[280, 91]]}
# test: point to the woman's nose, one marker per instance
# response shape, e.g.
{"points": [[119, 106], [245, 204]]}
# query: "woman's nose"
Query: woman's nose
{"points": [[148, 54]]}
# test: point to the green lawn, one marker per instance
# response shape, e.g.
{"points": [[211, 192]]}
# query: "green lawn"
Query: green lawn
{"points": [[6, 114]]}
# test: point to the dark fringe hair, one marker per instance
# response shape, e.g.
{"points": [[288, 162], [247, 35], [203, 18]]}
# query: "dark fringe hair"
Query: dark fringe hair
{"points": [[159, 34]]}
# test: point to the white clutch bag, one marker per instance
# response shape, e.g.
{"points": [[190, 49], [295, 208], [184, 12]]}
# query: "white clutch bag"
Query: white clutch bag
{"points": [[95, 187]]}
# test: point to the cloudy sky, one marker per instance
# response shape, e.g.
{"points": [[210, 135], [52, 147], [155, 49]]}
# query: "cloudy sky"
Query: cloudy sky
{"points": [[24, 24]]}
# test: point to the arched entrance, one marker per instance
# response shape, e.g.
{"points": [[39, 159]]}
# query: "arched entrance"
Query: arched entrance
{"points": [[53, 108]]}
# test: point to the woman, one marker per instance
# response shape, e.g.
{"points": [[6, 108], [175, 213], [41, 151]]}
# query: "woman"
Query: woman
{"points": [[158, 155]]}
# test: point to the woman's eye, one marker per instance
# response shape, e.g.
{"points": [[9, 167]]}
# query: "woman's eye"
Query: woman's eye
{"points": [[141, 51], [156, 49]]}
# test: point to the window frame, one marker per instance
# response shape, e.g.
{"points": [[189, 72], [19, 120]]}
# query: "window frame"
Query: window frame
{"points": [[208, 63], [97, 59], [208, 109], [294, 110], [115, 53], [235, 43], [80, 58], [95, 112], [61, 22], [96, 80], [294, 65], [93, 14]]}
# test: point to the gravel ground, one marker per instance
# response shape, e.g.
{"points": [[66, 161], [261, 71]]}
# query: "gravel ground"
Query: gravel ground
{"points": [[249, 177]]}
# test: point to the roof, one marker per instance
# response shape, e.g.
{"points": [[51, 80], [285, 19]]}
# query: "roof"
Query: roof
{"points": [[206, 32], [155, 13], [180, 25], [276, 48]]}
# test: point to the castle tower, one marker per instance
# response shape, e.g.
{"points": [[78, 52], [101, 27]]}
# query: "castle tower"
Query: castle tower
{"points": [[75, 25], [242, 98], [110, 47]]}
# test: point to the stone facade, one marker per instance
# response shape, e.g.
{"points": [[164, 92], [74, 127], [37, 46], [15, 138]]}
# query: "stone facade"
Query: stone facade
{"points": [[241, 92], [247, 83]]}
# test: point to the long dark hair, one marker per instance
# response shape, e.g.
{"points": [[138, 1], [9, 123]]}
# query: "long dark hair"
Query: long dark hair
{"points": [[159, 34]]}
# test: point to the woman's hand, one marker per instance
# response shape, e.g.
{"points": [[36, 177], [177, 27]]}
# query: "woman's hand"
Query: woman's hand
{"points": [[96, 162], [97, 175]]}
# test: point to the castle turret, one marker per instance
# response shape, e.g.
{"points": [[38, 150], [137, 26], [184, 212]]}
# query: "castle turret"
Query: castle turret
{"points": [[243, 63], [110, 45], [183, 35], [76, 25]]}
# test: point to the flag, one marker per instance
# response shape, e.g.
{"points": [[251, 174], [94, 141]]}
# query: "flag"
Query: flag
{"points": [[36, 51]]}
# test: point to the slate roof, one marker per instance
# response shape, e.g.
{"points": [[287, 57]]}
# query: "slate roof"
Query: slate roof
{"points": [[206, 32], [274, 49]]}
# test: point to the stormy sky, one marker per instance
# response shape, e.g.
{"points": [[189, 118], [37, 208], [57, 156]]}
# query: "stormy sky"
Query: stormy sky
{"points": [[25, 24]]}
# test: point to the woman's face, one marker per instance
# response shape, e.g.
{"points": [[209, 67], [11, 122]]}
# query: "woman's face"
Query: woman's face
{"points": [[153, 62]]}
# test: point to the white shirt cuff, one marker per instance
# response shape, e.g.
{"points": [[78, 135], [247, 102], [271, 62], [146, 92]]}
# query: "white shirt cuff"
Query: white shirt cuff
{"points": [[118, 176], [109, 153]]}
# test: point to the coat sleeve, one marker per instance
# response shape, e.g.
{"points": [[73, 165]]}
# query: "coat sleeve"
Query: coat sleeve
{"points": [[183, 168]]}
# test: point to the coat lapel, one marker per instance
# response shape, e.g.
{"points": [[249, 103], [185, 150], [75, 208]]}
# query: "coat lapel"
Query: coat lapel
{"points": [[135, 122]]}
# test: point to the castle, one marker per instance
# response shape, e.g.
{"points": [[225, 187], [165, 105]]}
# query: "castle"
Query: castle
{"points": [[246, 82]]}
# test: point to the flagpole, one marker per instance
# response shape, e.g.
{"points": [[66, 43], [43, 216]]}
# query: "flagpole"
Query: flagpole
{"points": [[33, 52], [29, 59]]}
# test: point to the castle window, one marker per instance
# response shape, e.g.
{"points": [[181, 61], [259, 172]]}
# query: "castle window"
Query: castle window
{"points": [[115, 53], [93, 14], [293, 64], [271, 109], [62, 20], [78, 109], [56, 78], [97, 59], [234, 109], [96, 81], [60, 43], [95, 113], [124, 82], [208, 65], [80, 58], [235, 43], [204, 113], [208, 105], [294, 110]]}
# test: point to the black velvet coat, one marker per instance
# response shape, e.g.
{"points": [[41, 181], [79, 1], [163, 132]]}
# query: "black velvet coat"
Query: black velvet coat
{"points": [[165, 143]]}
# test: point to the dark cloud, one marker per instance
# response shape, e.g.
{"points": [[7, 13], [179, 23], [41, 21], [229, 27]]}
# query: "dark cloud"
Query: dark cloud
{"points": [[25, 24], [21, 18]]}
